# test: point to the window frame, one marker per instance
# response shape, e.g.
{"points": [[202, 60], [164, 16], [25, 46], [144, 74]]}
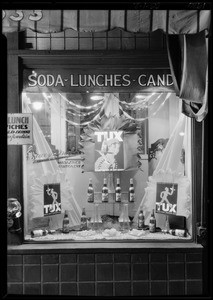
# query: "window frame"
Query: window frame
{"points": [[25, 59]]}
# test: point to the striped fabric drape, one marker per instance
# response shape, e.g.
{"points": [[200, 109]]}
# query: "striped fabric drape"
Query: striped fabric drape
{"points": [[48, 21]]}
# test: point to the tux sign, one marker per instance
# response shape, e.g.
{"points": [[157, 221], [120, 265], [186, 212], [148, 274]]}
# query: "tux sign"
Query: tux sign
{"points": [[52, 199], [166, 198]]}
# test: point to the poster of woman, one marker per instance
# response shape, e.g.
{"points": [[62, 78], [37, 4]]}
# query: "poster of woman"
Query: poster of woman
{"points": [[109, 152]]}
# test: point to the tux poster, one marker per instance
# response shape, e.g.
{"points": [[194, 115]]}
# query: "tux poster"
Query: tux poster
{"points": [[109, 151]]}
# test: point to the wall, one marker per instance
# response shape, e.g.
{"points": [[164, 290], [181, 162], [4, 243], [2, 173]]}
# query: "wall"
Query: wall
{"points": [[123, 272]]}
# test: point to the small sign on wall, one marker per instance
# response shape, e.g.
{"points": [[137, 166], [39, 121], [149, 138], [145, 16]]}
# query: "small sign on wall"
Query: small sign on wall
{"points": [[19, 129], [52, 199], [166, 198]]}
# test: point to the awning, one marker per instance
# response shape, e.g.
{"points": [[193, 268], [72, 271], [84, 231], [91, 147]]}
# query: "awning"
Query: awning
{"points": [[144, 21]]}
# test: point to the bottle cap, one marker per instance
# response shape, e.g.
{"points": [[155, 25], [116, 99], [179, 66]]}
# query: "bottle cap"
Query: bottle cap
{"points": [[118, 180], [131, 180]]}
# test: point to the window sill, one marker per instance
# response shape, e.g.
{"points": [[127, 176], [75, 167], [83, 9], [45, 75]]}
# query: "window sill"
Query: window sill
{"points": [[100, 247]]}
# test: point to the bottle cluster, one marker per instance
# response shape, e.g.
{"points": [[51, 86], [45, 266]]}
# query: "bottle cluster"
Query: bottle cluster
{"points": [[105, 192]]}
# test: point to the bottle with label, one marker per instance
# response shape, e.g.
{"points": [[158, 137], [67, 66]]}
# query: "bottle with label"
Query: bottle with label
{"points": [[90, 192], [83, 219], [38, 232], [141, 220], [118, 191], [41, 232], [131, 191], [152, 222], [105, 192], [65, 224]]}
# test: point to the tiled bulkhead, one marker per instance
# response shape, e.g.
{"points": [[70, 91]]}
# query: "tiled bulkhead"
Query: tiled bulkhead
{"points": [[107, 273]]}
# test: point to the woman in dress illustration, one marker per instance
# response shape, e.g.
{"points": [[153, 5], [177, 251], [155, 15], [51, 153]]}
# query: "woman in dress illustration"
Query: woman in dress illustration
{"points": [[107, 161]]}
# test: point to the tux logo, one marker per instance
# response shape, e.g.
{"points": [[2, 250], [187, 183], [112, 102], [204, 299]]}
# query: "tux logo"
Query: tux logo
{"points": [[166, 198], [52, 199]]}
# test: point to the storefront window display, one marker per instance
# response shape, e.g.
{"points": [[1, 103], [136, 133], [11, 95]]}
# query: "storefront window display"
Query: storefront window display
{"points": [[106, 166]]}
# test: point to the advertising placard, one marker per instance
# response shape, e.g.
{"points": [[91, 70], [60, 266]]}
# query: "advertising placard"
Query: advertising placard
{"points": [[109, 153], [52, 199], [19, 129], [166, 198]]}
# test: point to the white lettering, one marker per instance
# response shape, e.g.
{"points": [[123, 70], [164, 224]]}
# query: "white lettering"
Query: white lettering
{"points": [[41, 80], [160, 81], [140, 80], [72, 81], [169, 82], [151, 81], [125, 79], [59, 81], [30, 78]]}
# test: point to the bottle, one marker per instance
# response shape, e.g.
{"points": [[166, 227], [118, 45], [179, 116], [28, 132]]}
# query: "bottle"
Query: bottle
{"points": [[90, 192], [105, 192], [152, 222], [65, 224], [125, 224], [83, 219], [167, 227], [131, 191], [178, 232], [38, 232], [118, 191], [141, 220]]}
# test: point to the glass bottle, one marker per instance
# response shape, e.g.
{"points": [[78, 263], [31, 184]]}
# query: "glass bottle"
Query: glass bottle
{"points": [[90, 192], [65, 224], [141, 220], [118, 191], [97, 222], [152, 222], [38, 232], [167, 227], [131, 191], [125, 224], [105, 192], [83, 219]]}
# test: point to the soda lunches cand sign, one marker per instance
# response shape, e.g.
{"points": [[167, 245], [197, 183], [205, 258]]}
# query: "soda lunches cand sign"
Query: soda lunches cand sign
{"points": [[19, 129], [97, 80]]}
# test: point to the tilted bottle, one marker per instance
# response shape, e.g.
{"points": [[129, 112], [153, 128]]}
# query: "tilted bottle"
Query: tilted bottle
{"points": [[38, 232], [90, 192], [141, 220], [118, 191], [105, 192], [152, 222], [83, 219], [65, 224], [131, 191]]}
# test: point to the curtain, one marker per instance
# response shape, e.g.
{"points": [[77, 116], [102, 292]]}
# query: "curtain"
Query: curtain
{"points": [[188, 61]]}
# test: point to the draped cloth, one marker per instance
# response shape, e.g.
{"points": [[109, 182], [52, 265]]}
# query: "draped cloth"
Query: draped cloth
{"points": [[188, 59], [167, 170]]}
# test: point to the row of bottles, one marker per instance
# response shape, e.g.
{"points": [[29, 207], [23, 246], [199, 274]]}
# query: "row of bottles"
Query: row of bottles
{"points": [[152, 221], [141, 225], [105, 192]]}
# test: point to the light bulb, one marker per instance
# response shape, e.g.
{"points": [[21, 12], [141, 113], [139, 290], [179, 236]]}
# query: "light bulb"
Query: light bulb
{"points": [[37, 105]]}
